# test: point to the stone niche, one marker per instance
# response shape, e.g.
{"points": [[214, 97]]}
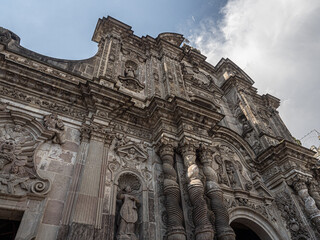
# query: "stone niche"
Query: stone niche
{"points": [[130, 187]]}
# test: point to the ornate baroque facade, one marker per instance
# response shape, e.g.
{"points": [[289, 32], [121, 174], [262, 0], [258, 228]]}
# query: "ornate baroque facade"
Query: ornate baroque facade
{"points": [[146, 140]]}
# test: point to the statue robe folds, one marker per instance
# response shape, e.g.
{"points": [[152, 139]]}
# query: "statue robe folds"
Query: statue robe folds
{"points": [[129, 216]]}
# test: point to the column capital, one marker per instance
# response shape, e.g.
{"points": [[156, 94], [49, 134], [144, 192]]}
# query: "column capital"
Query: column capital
{"points": [[188, 147], [95, 132], [166, 146], [298, 182], [206, 153]]}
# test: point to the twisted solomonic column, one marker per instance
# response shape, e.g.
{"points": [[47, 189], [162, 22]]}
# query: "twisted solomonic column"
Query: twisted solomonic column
{"points": [[175, 229], [204, 229], [299, 185], [213, 191], [314, 191]]}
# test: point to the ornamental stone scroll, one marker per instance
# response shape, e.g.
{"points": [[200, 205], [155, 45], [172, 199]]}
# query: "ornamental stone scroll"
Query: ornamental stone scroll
{"points": [[20, 138]]}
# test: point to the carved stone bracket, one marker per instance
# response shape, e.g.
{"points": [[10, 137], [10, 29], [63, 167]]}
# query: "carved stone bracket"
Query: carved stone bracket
{"points": [[132, 84]]}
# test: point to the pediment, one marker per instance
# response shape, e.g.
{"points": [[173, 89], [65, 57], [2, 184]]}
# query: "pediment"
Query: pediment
{"points": [[132, 151]]}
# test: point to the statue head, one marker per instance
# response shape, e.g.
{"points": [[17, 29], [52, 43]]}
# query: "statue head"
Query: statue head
{"points": [[128, 189], [8, 146]]}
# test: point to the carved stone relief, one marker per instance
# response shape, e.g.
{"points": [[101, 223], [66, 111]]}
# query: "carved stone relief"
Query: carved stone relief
{"points": [[53, 123], [128, 199], [129, 79], [18, 175], [265, 210], [230, 171], [290, 215]]}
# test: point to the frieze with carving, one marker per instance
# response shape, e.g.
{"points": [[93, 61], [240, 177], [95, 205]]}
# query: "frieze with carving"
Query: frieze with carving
{"points": [[53, 106], [260, 207]]}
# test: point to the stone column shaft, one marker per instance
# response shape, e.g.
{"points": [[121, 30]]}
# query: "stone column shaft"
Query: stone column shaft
{"points": [[314, 192], [309, 204], [213, 191], [175, 230], [204, 229]]}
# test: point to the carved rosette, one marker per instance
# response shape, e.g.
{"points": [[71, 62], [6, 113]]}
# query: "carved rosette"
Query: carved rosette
{"points": [[203, 225], [299, 184], [175, 229], [213, 191]]}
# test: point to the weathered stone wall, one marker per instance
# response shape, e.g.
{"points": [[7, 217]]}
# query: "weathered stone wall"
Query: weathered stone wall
{"points": [[146, 140], [56, 162]]}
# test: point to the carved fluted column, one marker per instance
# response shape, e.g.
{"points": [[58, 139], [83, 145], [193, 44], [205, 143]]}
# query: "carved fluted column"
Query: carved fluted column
{"points": [[204, 229], [213, 191], [175, 230], [299, 184]]}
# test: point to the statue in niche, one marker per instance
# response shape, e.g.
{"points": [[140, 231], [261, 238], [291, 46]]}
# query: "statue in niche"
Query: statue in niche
{"points": [[246, 126], [231, 174], [129, 78], [128, 215], [222, 178], [129, 71]]}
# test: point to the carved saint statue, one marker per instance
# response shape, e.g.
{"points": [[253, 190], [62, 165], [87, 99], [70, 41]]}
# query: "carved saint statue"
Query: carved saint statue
{"points": [[231, 174], [128, 215], [129, 71]]}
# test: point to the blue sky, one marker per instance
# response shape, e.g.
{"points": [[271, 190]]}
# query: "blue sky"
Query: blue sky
{"points": [[276, 42], [63, 28]]}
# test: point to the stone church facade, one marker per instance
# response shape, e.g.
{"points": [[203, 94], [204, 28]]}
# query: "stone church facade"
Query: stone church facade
{"points": [[146, 140]]}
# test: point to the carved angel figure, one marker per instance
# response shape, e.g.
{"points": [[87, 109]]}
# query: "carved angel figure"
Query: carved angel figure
{"points": [[130, 157], [53, 123], [129, 215]]}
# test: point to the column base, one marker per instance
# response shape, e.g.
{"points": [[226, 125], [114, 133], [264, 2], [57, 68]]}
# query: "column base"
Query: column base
{"points": [[226, 234], [204, 233], [176, 233]]}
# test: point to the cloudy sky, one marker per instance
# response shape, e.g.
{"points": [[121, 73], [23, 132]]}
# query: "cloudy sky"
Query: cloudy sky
{"points": [[276, 42]]}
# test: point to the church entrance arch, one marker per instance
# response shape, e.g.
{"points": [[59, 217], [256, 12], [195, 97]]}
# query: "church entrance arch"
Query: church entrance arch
{"points": [[249, 225]]}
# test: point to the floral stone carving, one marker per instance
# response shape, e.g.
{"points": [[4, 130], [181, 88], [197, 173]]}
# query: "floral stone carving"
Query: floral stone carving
{"points": [[17, 171]]}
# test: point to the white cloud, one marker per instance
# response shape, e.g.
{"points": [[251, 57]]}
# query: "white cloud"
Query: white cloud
{"points": [[277, 43]]}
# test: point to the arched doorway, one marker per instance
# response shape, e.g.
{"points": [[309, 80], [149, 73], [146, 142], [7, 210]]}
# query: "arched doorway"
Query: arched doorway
{"points": [[249, 225], [243, 232], [248, 230]]}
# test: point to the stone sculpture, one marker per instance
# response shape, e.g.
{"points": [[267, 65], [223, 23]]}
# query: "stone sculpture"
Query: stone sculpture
{"points": [[53, 123], [129, 215]]}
